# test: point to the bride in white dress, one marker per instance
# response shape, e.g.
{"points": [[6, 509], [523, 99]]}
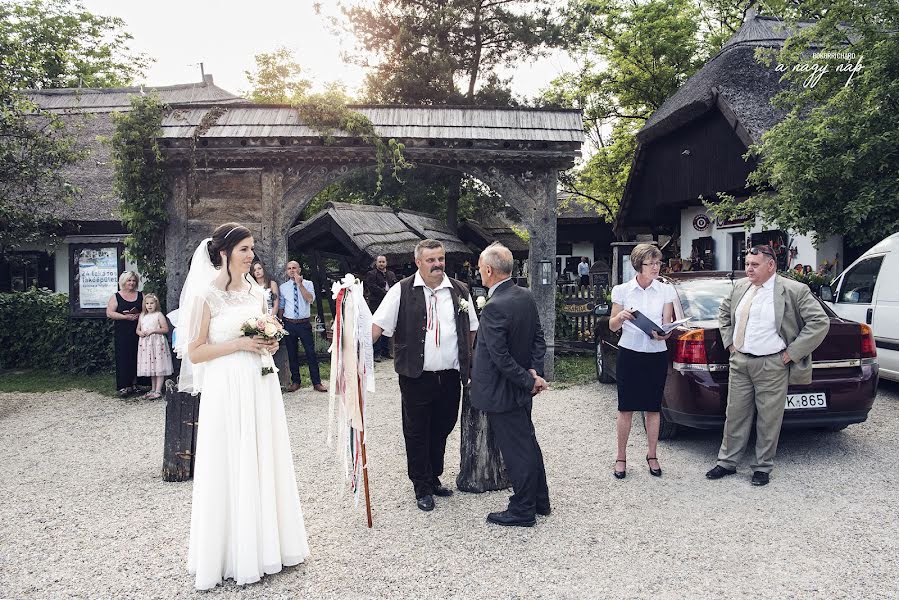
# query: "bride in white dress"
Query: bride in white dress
{"points": [[246, 519]]}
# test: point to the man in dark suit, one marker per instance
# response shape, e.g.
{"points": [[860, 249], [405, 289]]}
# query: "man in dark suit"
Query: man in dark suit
{"points": [[377, 282], [507, 373]]}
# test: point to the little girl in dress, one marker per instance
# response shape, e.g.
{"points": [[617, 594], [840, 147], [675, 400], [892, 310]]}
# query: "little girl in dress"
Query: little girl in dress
{"points": [[154, 359]]}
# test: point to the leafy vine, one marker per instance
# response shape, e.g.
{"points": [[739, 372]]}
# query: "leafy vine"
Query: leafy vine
{"points": [[142, 186], [326, 114]]}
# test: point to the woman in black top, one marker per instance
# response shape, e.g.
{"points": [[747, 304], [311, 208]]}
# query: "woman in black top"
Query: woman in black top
{"points": [[124, 309]]}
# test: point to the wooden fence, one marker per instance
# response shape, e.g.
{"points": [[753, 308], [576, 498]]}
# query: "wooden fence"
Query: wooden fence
{"points": [[577, 314]]}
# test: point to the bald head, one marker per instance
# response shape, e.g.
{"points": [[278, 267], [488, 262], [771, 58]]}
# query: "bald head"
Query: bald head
{"points": [[294, 270], [499, 258], [495, 264]]}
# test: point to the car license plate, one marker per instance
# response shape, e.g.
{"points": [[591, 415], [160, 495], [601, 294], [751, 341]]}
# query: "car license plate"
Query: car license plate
{"points": [[806, 400]]}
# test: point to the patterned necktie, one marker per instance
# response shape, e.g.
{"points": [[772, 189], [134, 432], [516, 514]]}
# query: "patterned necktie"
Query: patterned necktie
{"points": [[740, 337], [296, 301], [433, 318]]}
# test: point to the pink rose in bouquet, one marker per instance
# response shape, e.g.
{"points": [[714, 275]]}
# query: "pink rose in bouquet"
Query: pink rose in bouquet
{"points": [[266, 327]]}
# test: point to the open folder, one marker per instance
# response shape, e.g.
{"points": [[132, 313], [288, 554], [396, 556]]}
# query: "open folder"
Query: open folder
{"points": [[647, 325]]}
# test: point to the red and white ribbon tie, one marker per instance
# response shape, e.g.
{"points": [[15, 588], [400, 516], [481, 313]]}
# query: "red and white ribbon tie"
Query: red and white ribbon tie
{"points": [[433, 318]]}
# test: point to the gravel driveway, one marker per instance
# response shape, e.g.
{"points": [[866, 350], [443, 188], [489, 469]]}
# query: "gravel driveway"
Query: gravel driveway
{"points": [[84, 512]]}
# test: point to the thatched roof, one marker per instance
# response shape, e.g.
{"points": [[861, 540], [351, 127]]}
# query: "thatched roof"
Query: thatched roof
{"points": [[733, 80], [87, 114], [733, 83], [485, 230], [364, 232]]}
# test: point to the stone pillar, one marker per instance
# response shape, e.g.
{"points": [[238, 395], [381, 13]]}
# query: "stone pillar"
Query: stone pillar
{"points": [[542, 228]]}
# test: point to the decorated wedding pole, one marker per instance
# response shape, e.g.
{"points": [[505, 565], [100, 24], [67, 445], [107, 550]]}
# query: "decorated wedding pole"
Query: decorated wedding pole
{"points": [[352, 379]]}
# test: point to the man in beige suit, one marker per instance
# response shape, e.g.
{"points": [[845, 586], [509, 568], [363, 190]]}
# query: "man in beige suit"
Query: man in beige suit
{"points": [[770, 325]]}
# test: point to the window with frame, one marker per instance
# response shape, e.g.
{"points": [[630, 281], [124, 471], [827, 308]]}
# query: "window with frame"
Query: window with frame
{"points": [[857, 285]]}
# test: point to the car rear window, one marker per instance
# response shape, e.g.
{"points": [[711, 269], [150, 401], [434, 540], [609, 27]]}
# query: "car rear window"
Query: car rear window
{"points": [[701, 298]]}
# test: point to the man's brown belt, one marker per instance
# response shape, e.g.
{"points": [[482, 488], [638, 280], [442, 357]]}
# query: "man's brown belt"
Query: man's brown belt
{"points": [[297, 321]]}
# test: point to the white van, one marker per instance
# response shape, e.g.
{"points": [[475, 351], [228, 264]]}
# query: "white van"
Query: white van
{"points": [[868, 292]]}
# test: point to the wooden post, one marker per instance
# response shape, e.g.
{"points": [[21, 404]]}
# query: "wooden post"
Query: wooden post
{"points": [[543, 247], [364, 456], [182, 412]]}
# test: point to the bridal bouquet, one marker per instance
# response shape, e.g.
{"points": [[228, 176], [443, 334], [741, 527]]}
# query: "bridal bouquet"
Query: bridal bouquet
{"points": [[268, 328]]}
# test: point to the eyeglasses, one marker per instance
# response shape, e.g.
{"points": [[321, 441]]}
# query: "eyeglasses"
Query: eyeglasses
{"points": [[766, 250], [652, 264]]}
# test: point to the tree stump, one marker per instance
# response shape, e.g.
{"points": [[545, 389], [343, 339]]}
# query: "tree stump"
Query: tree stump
{"points": [[482, 468], [182, 412]]}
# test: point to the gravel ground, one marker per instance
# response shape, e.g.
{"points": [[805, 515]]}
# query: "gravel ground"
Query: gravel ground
{"points": [[84, 512]]}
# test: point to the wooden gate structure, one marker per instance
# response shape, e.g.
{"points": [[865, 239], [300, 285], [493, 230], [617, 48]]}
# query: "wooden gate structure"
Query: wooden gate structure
{"points": [[260, 165]]}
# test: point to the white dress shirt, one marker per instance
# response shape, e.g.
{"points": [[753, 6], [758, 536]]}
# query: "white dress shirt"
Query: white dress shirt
{"points": [[651, 302], [441, 358], [761, 337]]}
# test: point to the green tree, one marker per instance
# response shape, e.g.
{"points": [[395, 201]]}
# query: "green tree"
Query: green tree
{"points": [[448, 51], [47, 44], [276, 79], [33, 152], [57, 44], [830, 166], [439, 52], [140, 182], [635, 55]]}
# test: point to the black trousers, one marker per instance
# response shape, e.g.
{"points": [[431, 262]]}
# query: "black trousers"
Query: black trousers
{"points": [[430, 411], [514, 434], [301, 332]]}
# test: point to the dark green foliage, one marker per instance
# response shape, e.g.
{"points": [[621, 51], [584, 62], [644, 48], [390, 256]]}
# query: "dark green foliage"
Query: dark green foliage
{"points": [[33, 151], [140, 182], [830, 166], [58, 44], [39, 333], [635, 55]]}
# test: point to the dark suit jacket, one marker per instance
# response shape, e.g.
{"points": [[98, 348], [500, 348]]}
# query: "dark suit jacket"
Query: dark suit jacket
{"points": [[509, 342], [373, 287]]}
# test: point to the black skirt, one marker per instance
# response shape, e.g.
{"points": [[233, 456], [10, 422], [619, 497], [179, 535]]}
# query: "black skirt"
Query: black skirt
{"points": [[641, 379]]}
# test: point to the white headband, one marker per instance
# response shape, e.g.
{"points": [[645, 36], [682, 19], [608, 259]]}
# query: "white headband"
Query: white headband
{"points": [[233, 229]]}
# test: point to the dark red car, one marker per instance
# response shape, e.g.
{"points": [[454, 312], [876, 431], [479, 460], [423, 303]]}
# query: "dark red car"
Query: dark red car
{"points": [[844, 378]]}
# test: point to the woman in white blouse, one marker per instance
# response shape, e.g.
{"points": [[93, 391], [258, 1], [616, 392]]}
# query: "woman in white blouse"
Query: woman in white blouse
{"points": [[642, 360]]}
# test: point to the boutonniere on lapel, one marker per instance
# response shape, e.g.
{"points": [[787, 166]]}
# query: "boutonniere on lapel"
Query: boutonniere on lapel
{"points": [[481, 302], [463, 305]]}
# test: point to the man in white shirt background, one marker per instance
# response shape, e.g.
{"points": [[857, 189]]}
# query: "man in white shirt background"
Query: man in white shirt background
{"points": [[297, 296], [432, 320], [583, 271], [770, 325]]}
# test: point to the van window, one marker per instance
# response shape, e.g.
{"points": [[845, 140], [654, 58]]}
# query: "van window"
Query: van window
{"points": [[858, 283]]}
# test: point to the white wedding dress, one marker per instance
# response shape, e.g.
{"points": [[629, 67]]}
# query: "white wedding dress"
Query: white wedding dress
{"points": [[246, 519]]}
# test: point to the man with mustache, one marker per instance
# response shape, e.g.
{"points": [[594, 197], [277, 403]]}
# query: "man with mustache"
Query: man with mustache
{"points": [[432, 321]]}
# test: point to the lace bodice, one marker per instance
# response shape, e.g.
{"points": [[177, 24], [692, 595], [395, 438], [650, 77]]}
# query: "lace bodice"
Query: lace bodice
{"points": [[229, 310]]}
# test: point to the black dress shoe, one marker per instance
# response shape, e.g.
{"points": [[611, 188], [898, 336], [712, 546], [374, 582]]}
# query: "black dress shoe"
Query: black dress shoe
{"points": [[544, 511], [653, 472], [443, 492], [509, 520], [619, 474], [718, 472], [759, 478], [426, 503]]}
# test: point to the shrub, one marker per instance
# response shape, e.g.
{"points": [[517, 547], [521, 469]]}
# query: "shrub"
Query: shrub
{"points": [[39, 332]]}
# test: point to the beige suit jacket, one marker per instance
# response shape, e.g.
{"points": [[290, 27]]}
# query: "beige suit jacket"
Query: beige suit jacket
{"points": [[799, 318]]}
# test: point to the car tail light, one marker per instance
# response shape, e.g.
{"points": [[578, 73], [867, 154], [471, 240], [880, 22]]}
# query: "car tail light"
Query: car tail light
{"points": [[869, 349], [689, 349]]}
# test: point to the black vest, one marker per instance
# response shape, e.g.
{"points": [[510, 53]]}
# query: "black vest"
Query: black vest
{"points": [[412, 327]]}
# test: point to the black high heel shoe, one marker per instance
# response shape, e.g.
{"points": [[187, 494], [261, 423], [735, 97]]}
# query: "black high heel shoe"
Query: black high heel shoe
{"points": [[620, 474], [653, 472]]}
